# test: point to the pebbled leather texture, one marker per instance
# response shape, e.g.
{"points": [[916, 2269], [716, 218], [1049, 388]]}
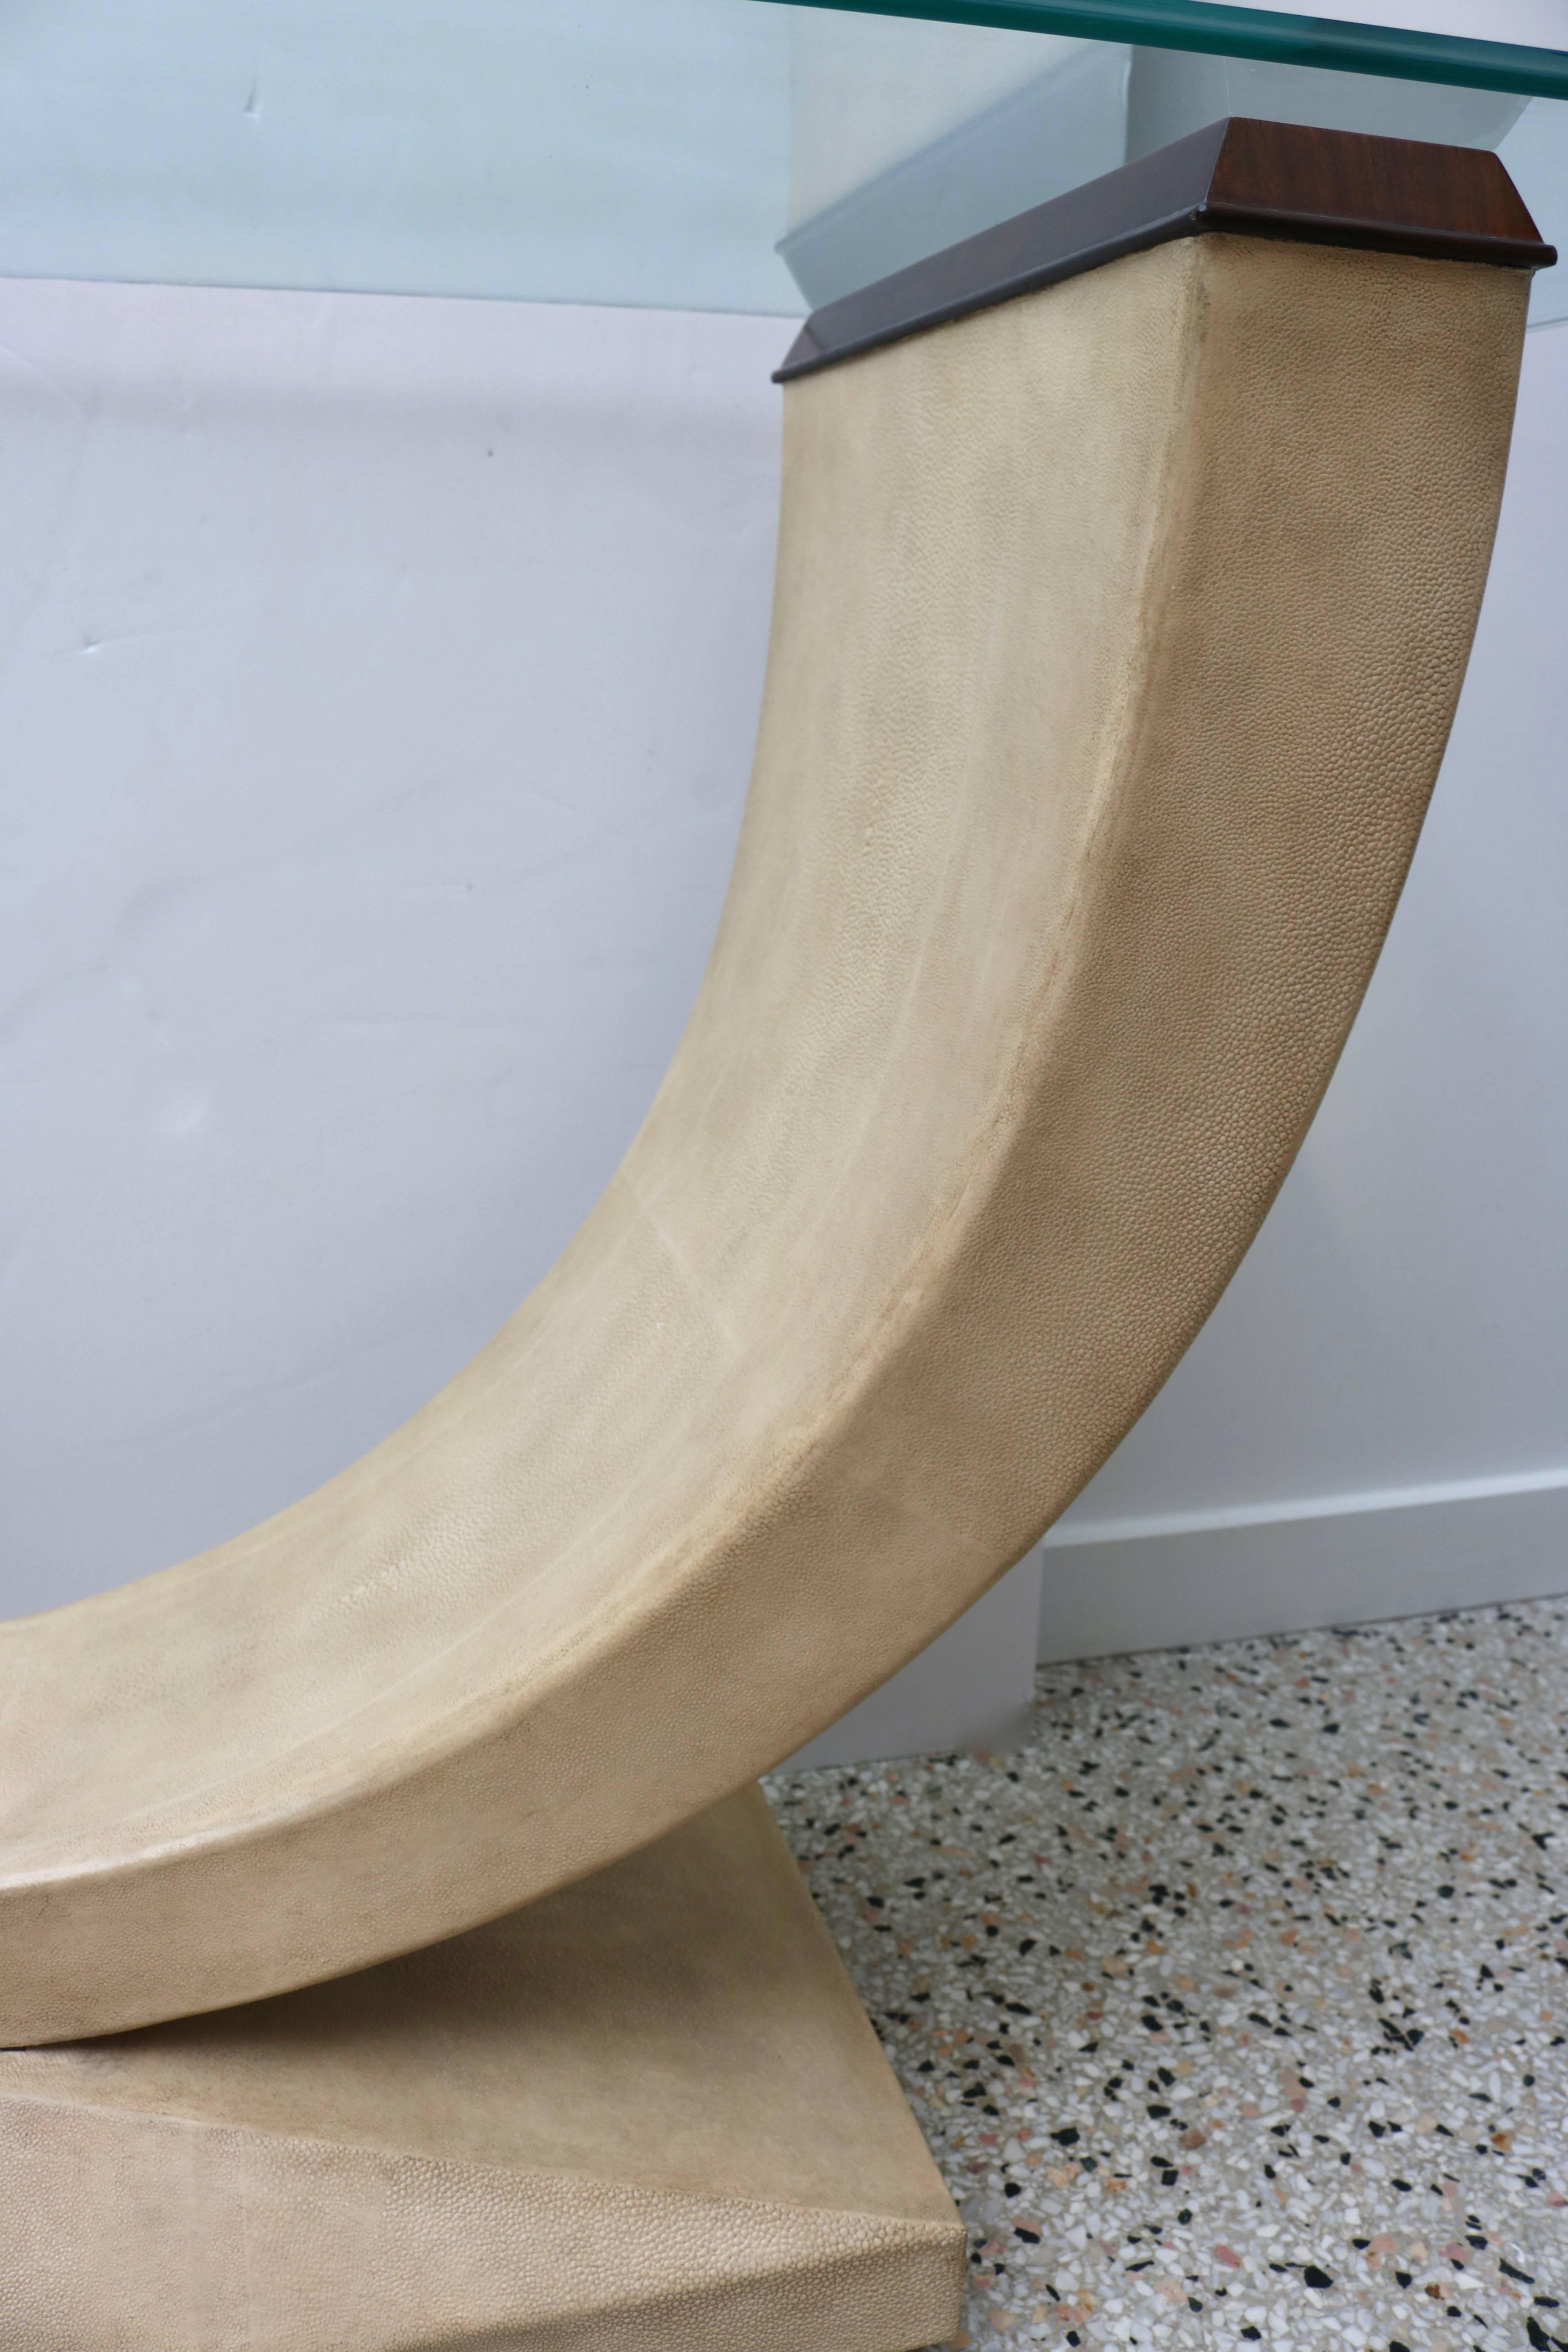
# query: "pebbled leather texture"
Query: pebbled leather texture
{"points": [[648, 2111], [1117, 636]]}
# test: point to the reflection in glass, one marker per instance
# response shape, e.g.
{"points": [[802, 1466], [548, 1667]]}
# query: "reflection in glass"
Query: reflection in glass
{"points": [[707, 154]]}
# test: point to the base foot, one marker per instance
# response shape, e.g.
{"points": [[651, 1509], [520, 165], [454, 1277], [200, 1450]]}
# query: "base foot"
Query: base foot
{"points": [[648, 2111]]}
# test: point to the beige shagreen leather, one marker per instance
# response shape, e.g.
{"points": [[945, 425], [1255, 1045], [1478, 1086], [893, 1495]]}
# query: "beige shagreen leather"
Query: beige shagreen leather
{"points": [[648, 2111], [1117, 635]]}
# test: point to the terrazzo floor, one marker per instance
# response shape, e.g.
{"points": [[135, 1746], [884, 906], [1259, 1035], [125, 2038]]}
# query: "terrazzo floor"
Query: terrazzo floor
{"points": [[1235, 2006]]}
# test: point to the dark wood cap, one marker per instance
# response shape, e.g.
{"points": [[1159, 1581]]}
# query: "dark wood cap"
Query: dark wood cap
{"points": [[1253, 179]]}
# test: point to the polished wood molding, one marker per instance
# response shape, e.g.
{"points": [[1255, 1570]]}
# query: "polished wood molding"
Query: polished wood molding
{"points": [[1249, 178]]}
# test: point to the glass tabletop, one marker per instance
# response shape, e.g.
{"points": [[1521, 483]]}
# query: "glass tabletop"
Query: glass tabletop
{"points": [[705, 154]]}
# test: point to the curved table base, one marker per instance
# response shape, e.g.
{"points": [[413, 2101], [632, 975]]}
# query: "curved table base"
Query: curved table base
{"points": [[1116, 636], [1117, 633]]}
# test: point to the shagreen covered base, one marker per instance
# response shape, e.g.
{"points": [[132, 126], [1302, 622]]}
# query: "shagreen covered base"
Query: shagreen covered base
{"points": [[648, 2112]]}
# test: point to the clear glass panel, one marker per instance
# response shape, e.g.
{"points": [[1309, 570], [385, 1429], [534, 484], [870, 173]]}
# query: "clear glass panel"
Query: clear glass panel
{"points": [[711, 154], [591, 151]]}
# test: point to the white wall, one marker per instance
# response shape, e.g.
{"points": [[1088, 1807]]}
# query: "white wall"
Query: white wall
{"points": [[377, 686], [377, 679]]}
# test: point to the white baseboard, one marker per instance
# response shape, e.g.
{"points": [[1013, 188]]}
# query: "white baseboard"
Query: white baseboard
{"points": [[1344, 1559], [1111, 1585]]}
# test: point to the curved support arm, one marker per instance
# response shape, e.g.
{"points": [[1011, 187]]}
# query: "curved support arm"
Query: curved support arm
{"points": [[1117, 635]]}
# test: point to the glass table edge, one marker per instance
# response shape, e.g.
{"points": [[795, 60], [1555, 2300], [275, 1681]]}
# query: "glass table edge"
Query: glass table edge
{"points": [[1256, 32]]}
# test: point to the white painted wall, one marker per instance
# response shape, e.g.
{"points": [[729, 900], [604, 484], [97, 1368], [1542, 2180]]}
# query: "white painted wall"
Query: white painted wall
{"points": [[377, 684], [378, 679]]}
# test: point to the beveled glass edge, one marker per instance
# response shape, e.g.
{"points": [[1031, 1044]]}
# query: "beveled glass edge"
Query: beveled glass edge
{"points": [[1258, 33]]}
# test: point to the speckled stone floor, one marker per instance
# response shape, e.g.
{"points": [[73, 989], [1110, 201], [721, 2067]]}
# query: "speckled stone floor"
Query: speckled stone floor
{"points": [[1235, 2007]]}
